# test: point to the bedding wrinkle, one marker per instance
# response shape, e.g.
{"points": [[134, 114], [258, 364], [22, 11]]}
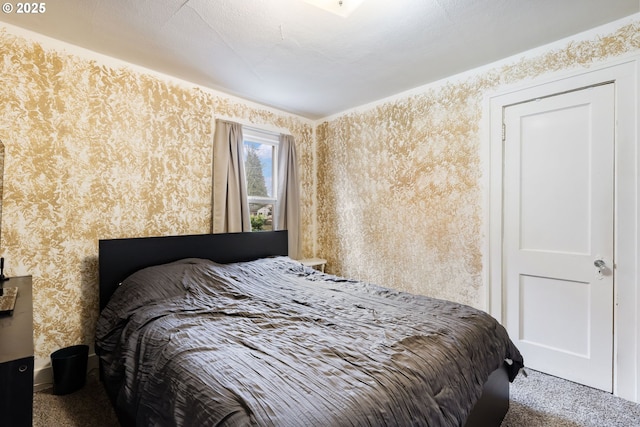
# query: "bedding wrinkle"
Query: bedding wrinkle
{"points": [[273, 343]]}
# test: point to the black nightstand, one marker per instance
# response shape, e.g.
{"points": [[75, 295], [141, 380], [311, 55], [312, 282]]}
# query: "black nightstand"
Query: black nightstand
{"points": [[16, 358]]}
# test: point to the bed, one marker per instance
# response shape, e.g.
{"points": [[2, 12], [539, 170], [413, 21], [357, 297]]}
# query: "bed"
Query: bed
{"points": [[226, 330]]}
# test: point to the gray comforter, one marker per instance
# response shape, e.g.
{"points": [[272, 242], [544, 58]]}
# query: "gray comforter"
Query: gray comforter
{"points": [[273, 343]]}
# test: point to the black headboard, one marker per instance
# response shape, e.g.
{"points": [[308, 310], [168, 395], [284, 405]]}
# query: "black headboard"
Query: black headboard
{"points": [[119, 258]]}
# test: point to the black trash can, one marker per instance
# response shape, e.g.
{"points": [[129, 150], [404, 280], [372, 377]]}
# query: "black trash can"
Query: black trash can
{"points": [[69, 368]]}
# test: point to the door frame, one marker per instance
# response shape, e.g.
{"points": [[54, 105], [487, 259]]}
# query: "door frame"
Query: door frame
{"points": [[626, 333]]}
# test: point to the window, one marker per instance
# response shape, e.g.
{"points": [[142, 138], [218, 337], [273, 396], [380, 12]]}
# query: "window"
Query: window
{"points": [[260, 168]]}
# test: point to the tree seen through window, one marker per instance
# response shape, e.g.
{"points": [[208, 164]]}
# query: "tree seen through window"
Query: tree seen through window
{"points": [[260, 173]]}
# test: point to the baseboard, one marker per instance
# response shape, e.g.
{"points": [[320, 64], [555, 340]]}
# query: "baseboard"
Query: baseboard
{"points": [[43, 376]]}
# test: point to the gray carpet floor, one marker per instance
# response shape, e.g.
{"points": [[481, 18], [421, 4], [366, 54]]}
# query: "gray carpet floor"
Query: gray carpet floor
{"points": [[538, 400], [87, 407]]}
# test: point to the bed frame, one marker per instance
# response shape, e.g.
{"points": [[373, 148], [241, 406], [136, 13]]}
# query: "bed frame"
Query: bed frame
{"points": [[119, 258]]}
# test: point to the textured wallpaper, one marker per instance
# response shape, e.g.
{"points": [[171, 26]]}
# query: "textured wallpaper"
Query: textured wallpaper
{"points": [[400, 184], [95, 152]]}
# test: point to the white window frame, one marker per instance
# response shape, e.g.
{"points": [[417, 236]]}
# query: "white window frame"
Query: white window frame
{"points": [[250, 134]]}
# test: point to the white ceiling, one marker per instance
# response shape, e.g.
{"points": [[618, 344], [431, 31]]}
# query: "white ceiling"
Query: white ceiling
{"points": [[298, 58]]}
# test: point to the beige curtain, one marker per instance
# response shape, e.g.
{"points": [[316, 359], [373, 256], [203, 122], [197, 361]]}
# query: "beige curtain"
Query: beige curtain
{"points": [[229, 204], [288, 207]]}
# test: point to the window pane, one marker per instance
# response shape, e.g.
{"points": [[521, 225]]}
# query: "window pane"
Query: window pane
{"points": [[261, 216], [258, 166]]}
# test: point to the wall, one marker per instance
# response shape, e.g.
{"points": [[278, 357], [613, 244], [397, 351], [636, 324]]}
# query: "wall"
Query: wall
{"points": [[97, 149], [401, 183]]}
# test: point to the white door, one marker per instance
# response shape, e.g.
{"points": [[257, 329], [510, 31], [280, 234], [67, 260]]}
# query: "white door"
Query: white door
{"points": [[558, 224]]}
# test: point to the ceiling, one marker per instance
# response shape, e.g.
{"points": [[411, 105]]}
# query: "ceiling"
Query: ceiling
{"points": [[298, 58]]}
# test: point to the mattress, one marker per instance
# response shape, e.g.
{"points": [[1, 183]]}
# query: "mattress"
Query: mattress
{"points": [[274, 343]]}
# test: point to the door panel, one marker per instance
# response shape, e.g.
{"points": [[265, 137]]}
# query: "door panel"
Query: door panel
{"points": [[544, 159], [546, 295], [558, 210]]}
